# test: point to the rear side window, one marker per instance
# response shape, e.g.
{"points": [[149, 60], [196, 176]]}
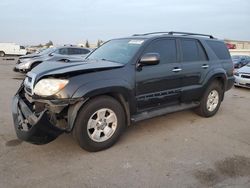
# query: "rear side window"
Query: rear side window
{"points": [[84, 51], [192, 50], [75, 51], [219, 49], [63, 51], [166, 48]]}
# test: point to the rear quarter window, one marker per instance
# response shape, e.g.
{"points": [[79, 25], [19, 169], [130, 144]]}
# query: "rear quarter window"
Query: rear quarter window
{"points": [[220, 49]]}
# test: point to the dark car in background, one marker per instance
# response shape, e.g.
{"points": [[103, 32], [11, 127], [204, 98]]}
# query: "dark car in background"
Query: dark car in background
{"points": [[240, 60], [64, 53]]}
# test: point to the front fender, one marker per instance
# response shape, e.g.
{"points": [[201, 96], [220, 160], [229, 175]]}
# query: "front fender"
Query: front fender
{"points": [[104, 86]]}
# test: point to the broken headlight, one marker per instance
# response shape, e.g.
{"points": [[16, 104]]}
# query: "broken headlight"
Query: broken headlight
{"points": [[49, 86]]}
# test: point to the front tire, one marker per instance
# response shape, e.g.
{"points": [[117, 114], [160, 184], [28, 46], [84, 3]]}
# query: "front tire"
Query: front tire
{"points": [[2, 54], [99, 124], [211, 100]]}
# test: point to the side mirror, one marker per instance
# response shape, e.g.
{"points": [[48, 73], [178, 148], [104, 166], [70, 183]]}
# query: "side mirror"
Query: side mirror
{"points": [[52, 54], [150, 59]]}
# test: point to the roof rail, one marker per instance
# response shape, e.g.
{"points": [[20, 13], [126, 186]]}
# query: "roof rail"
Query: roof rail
{"points": [[186, 34], [174, 32], [153, 33]]}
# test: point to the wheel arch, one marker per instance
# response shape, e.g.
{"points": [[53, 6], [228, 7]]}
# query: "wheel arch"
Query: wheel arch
{"points": [[219, 77], [118, 93], [3, 53]]}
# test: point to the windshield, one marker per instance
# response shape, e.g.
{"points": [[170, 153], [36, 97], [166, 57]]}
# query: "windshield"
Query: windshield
{"points": [[47, 51], [118, 50]]}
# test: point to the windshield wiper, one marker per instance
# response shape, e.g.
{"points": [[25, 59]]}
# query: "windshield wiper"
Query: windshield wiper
{"points": [[103, 59]]}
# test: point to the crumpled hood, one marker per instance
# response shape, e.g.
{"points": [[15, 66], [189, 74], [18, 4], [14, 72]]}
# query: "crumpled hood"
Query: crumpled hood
{"points": [[35, 58], [29, 56], [62, 68], [245, 69]]}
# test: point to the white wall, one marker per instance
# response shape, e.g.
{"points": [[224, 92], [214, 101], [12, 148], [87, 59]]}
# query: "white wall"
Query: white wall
{"points": [[239, 51]]}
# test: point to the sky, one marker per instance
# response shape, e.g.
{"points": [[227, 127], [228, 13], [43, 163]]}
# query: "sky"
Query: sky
{"points": [[72, 22]]}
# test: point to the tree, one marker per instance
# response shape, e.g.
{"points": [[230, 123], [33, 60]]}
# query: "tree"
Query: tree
{"points": [[48, 44], [39, 46], [99, 43], [87, 44]]}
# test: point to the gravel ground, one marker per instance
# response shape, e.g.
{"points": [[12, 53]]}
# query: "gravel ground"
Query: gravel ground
{"points": [[175, 150]]}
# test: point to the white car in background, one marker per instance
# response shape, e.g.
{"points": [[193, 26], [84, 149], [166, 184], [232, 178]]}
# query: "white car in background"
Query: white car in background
{"points": [[63, 53], [242, 76], [11, 49]]}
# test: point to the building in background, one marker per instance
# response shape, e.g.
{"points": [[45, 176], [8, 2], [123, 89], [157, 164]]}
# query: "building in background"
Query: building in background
{"points": [[237, 47]]}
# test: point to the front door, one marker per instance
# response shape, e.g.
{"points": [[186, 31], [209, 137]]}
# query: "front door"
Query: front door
{"points": [[158, 85]]}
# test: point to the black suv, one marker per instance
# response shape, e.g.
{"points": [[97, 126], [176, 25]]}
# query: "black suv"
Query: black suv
{"points": [[123, 81]]}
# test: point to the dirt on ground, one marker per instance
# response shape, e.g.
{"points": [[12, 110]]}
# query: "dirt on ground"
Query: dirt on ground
{"points": [[176, 150]]}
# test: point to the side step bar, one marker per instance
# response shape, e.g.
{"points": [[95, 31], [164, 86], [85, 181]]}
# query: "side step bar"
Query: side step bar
{"points": [[162, 111]]}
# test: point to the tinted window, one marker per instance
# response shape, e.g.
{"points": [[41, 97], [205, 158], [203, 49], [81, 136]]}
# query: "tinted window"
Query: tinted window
{"points": [[73, 51], [202, 53], [166, 48], [219, 49], [84, 51], [192, 51], [63, 51]]}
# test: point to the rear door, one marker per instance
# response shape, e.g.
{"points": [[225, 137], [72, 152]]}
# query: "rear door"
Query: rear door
{"points": [[195, 66], [160, 84]]}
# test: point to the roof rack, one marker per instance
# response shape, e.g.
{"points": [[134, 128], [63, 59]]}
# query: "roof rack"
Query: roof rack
{"points": [[175, 32], [153, 33]]}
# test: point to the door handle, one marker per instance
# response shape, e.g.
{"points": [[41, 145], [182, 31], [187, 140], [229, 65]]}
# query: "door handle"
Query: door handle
{"points": [[205, 66], [177, 69]]}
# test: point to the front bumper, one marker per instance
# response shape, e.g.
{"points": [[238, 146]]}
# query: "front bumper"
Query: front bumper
{"points": [[242, 82], [32, 128], [18, 69]]}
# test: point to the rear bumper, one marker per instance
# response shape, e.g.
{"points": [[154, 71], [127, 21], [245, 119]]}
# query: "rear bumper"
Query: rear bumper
{"points": [[32, 128], [230, 83]]}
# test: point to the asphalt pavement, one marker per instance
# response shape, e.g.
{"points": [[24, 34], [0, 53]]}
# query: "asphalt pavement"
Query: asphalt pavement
{"points": [[175, 150]]}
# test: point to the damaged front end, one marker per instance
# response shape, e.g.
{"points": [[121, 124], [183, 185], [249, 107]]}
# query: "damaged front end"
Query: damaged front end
{"points": [[39, 122]]}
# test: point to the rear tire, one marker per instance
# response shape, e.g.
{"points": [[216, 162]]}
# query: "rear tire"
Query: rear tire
{"points": [[99, 124], [211, 100], [2, 54]]}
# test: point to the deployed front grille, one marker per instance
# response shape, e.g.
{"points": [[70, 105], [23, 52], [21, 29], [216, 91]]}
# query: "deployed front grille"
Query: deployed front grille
{"points": [[245, 76]]}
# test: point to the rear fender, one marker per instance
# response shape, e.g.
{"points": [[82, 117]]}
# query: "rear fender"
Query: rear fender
{"points": [[218, 74]]}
